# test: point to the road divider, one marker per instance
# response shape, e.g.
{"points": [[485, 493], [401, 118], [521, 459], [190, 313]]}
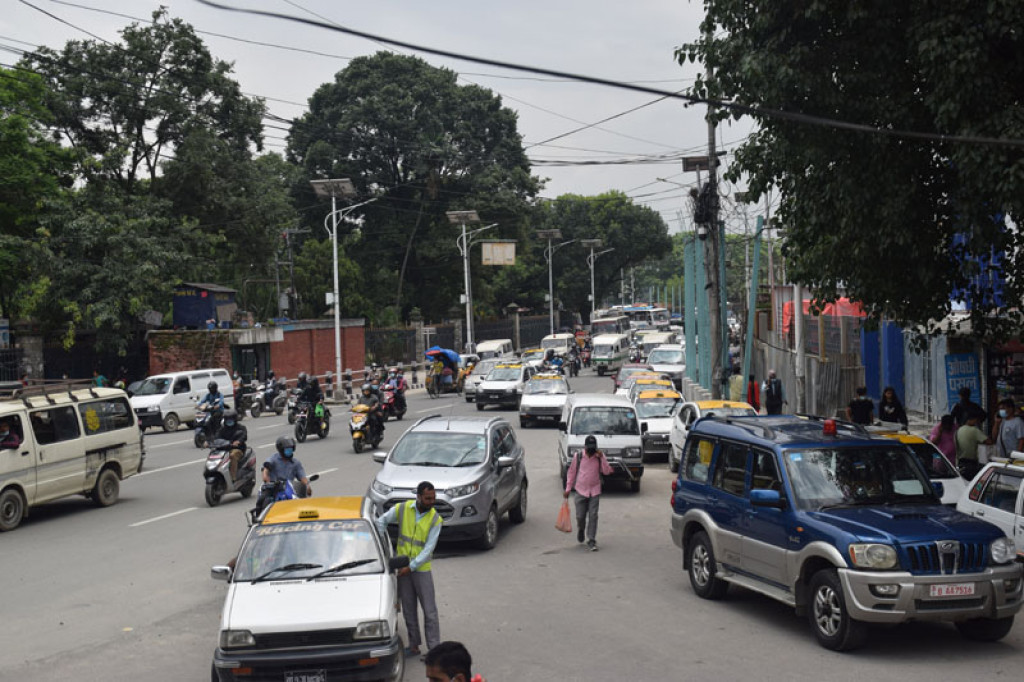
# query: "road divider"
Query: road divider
{"points": [[161, 518]]}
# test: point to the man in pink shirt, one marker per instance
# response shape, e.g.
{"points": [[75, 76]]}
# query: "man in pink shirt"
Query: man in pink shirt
{"points": [[585, 478]]}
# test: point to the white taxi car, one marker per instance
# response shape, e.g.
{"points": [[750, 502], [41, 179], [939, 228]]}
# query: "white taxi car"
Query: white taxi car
{"points": [[503, 385], [543, 399], [997, 495], [312, 597], [656, 409]]}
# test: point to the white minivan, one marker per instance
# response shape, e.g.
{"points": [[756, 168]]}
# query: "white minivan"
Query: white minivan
{"points": [[70, 441], [560, 343], [495, 348], [612, 420], [168, 400]]}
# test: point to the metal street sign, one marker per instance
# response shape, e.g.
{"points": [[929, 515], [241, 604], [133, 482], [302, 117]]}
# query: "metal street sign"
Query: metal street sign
{"points": [[695, 163], [430, 330]]}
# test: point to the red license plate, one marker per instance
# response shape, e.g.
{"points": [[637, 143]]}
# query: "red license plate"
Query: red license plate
{"points": [[951, 590]]}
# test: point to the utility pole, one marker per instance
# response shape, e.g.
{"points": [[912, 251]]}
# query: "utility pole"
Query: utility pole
{"points": [[798, 340], [714, 246]]}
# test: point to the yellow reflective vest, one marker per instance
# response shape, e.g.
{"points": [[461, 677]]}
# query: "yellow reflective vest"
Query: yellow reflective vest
{"points": [[412, 534]]}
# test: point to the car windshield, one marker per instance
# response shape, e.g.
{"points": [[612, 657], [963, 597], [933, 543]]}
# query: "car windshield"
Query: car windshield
{"points": [[604, 421], [483, 367], [934, 463], [662, 356], [503, 374], [838, 477], [533, 355], [603, 350], [155, 386], [650, 408], [626, 372], [288, 551], [550, 386], [439, 449], [554, 343]]}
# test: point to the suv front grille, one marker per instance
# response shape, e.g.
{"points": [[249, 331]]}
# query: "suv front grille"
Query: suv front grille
{"points": [[443, 508], [291, 640], [925, 557]]}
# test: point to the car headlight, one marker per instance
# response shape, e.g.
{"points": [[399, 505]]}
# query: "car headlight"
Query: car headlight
{"points": [[510, 390], [631, 452], [153, 408], [236, 639], [1003, 551], [373, 629], [573, 451], [870, 555], [381, 488], [462, 490]]}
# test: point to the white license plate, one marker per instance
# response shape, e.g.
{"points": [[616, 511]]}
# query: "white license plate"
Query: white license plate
{"points": [[306, 676], [951, 590]]}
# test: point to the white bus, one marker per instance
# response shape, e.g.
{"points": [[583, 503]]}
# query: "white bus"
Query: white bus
{"points": [[648, 317], [618, 324]]}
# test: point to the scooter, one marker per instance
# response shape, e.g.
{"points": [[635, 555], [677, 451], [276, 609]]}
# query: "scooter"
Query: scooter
{"points": [[244, 401], [359, 427], [585, 357], [275, 491], [389, 404], [293, 402], [574, 365], [218, 473], [206, 423], [269, 397]]}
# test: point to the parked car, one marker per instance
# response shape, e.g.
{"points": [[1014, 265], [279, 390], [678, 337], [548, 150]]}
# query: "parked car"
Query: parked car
{"points": [[480, 371], [640, 382], [691, 412], [656, 409], [503, 385], [997, 495], [612, 420], [544, 397], [935, 465], [312, 596], [476, 465], [843, 527]]}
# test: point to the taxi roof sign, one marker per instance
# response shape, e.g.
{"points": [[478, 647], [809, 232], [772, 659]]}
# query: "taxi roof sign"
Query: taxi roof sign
{"points": [[321, 508], [711, 404], [547, 377], [644, 395]]}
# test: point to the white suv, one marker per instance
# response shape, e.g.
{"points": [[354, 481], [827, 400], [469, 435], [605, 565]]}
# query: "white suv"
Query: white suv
{"points": [[997, 495]]}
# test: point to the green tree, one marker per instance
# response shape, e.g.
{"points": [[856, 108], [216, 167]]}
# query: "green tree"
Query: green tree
{"points": [[897, 222], [407, 132], [33, 169]]}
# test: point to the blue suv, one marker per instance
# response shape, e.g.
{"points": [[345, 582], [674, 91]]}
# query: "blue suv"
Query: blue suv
{"points": [[844, 527]]}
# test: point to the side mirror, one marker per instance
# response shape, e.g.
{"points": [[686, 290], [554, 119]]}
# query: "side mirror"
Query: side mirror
{"points": [[562, 426], [397, 562], [380, 456], [506, 461], [220, 573], [939, 489], [314, 477], [643, 427], [766, 498]]}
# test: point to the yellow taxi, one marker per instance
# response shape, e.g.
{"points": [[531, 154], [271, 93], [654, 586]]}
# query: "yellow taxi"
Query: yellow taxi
{"points": [[690, 412], [543, 399], [312, 596], [934, 464], [655, 406], [644, 383]]}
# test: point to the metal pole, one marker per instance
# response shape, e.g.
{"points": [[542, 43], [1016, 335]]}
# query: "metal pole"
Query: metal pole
{"points": [[798, 334], [551, 290], [469, 307], [337, 308], [593, 301]]}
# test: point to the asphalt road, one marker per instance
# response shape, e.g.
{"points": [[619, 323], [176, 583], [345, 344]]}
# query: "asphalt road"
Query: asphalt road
{"points": [[124, 593]]}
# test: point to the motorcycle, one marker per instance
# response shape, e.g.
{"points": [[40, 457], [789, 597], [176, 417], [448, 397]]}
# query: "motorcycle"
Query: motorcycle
{"points": [[390, 406], [207, 422], [218, 473], [244, 399], [275, 491], [269, 397], [574, 365], [359, 427], [585, 357], [321, 421], [293, 403]]}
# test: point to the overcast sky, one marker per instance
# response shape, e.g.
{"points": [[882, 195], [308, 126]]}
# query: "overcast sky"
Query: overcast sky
{"points": [[615, 40]]}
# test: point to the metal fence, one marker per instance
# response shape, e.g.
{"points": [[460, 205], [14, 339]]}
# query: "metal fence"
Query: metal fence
{"points": [[532, 330], [828, 332], [496, 329], [390, 346], [10, 364]]}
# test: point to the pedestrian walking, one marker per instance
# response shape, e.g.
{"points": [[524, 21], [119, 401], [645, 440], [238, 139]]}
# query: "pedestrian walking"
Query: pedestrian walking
{"points": [[968, 438], [736, 385], [890, 409], [861, 409], [1008, 431], [774, 394], [965, 407], [419, 527], [753, 394], [943, 436], [584, 478]]}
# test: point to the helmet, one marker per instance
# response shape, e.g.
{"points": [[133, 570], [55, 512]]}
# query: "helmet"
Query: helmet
{"points": [[212, 387], [270, 374], [230, 417], [235, 375], [285, 446], [367, 387], [302, 376]]}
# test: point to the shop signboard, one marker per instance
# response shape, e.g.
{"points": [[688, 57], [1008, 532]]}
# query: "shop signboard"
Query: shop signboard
{"points": [[962, 371]]}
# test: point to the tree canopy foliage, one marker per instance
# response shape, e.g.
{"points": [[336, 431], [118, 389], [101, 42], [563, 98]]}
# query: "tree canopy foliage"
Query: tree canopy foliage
{"points": [[901, 223]]}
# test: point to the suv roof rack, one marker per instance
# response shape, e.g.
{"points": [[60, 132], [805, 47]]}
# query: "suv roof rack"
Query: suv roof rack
{"points": [[749, 422], [49, 389]]}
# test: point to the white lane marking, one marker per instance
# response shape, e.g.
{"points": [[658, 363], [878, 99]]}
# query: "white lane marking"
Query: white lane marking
{"points": [[164, 445], [429, 409], [326, 471], [264, 428], [173, 466], [268, 445], [161, 518]]}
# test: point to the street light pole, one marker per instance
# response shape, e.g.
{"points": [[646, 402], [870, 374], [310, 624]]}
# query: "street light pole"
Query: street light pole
{"points": [[549, 254], [462, 218], [593, 244]]}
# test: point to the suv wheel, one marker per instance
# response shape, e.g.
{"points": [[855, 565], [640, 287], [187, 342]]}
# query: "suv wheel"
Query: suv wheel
{"points": [[490, 537], [985, 629], [703, 569], [517, 514], [828, 614]]}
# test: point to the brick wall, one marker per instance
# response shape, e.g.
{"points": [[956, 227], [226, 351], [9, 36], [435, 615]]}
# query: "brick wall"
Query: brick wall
{"points": [[311, 350], [178, 351]]}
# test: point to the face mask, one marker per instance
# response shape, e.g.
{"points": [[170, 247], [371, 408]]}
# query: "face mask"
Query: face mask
{"points": [[1002, 413], [288, 452], [229, 423], [591, 450]]}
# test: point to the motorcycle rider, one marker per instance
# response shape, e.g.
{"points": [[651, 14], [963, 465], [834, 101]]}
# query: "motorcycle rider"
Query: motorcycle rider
{"points": [[236, 434], [282, 466], [309, 391], [574, 360], [374, 416], [213, 402], [398, 382]]}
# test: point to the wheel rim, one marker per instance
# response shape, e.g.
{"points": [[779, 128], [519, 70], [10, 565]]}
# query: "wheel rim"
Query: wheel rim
{"points": [[828, 612], [107, 487], [700, 565], [10, 511], [492, 527]]}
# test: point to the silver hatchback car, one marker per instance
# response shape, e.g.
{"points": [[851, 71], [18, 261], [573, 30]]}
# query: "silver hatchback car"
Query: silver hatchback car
{"points": [[476, 465]]}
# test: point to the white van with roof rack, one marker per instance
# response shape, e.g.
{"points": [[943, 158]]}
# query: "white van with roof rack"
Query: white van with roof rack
{"points": [[67, 440]]}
